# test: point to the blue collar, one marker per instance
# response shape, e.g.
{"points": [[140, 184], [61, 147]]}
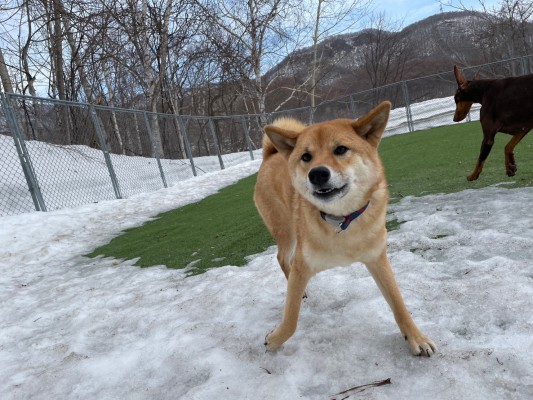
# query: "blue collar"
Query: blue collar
{"points": [[342, 223]]}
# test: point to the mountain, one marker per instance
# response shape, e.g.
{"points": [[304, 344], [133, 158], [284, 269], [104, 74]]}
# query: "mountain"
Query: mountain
{"points": [[370, 58]]}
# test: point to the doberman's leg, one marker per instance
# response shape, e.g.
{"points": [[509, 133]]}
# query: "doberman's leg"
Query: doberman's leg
{"points": [[510, 164], [486, 146]]}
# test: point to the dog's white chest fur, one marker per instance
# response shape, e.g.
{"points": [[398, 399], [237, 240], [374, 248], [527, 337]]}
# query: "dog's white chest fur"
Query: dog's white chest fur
{"points": [[343, 250]]}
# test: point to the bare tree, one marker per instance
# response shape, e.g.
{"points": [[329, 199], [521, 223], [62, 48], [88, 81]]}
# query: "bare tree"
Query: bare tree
{"points": [[258, 27], [513, 22], [145, 29], [331, 17], [386, 52], [24, 56], [509, 26], [4, 75]]}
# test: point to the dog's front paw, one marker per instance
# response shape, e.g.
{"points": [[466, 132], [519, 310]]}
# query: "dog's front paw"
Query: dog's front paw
{"points": [[274, 340], [421, 345], [270, 343]]}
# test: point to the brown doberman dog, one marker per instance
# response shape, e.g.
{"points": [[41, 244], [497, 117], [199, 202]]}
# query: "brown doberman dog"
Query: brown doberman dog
{"points": [[506, 106]]}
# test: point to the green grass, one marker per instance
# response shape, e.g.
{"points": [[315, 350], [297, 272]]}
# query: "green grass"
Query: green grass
{"points": [[220, 230], [224, 228]]}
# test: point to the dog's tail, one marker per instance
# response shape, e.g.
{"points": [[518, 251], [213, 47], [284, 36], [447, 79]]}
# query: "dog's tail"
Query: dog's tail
{"points": [[288, 123]]}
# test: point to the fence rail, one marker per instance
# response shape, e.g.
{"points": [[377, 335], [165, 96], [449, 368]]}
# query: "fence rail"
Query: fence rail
{"points": [[56, 154]]}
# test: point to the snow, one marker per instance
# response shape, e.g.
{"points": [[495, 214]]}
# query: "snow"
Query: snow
{"points": [[70, 176], [73, 327], [426, 115]]}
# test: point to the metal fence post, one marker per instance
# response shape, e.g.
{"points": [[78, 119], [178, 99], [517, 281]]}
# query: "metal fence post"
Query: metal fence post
{"points": [[523, 66], [247, 135], [183, 130], [312, 115], [100, 134], [408, 113], [24, 155], [215, 140], [154, 148], [352, 107]]}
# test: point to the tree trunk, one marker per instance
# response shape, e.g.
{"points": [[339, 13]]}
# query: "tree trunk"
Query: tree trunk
{"points": [[314, 65], [4, 75]]}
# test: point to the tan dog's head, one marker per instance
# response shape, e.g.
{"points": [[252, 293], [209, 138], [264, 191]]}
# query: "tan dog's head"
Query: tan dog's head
{"points": [[334, 164]]}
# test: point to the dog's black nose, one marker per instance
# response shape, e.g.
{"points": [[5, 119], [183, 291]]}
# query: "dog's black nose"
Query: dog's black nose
{"points": [[319, 176]]}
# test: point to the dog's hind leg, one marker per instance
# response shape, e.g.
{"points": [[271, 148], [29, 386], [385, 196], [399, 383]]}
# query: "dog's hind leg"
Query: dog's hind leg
{"points": [[384, 277], [296, 284], [510, 164]]}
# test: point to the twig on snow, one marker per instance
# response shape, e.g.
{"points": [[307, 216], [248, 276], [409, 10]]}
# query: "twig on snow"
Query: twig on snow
{"points": [[357, 389]]}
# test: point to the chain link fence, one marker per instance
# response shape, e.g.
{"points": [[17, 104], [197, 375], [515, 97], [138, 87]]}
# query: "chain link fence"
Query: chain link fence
{"points": [[14, 195], [56, 154]]}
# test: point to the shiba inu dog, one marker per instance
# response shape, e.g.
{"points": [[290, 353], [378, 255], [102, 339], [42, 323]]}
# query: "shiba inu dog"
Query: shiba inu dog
{"points": [[322, 193]]}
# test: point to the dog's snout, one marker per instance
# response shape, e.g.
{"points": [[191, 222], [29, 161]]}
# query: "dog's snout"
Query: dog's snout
{"points": [[319, 176]]}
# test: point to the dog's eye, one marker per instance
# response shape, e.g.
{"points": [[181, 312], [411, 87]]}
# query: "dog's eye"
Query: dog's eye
{"points": [[306, 157], [340, 150]]}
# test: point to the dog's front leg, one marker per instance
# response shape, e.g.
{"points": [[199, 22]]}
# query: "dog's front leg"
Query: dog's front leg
{"points": [[384, 277], [296, 284], [486, 146]]}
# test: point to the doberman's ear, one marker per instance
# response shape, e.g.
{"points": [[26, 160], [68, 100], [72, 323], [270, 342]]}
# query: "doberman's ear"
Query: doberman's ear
{"points": [[459, 77]]}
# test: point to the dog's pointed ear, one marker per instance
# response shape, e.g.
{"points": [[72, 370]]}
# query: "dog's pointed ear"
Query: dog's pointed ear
{"points": [[372, 125], [459, 77], [283, 140]]}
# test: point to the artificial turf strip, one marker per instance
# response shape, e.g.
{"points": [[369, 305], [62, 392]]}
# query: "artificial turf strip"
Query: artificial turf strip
{"points": [[224, 228]]}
